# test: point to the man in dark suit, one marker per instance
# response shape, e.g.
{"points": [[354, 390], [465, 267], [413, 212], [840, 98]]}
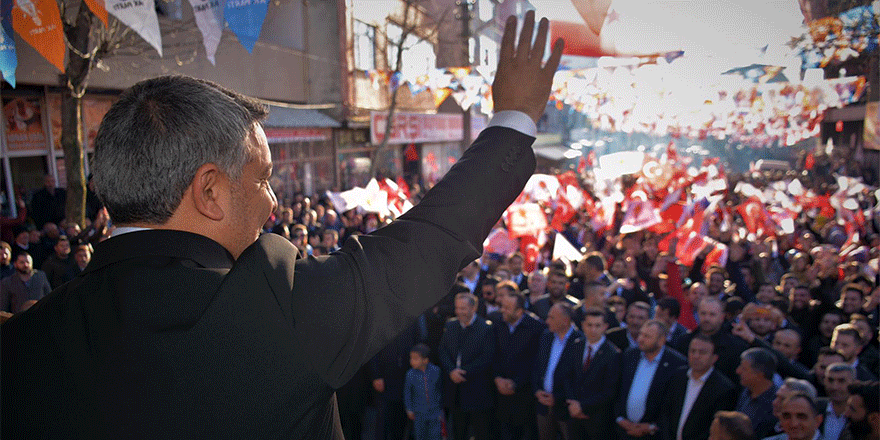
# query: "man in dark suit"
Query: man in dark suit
{"points": [[517, 338], [592, 383], [695, 394], [466, 353], [201, 328], [668, 310], [645, 376], [557, 353], [712, 324], [515, 264], [557, 286], [625, 337]]}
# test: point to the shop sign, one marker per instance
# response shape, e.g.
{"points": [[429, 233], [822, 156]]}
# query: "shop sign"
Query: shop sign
{"points": [[416, 128], [278, 135]]}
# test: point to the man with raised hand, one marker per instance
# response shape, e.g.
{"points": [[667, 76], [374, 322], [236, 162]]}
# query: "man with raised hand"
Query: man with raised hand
{"points": [[189, 324]]}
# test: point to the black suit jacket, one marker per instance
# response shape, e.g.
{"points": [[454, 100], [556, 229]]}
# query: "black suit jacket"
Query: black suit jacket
{"points": [[476, 347], [166, 335], [618, 337], [514, 359], [596, 387], [654, 400], [569, 357], [718, 393]]}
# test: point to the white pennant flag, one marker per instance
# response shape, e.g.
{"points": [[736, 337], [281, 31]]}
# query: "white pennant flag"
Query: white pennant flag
{"points": [[563, 249], [140, 16], [209, 19]]}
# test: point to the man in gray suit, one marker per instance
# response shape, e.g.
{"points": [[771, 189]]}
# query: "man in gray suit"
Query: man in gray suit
{"points": [[189, 324]]}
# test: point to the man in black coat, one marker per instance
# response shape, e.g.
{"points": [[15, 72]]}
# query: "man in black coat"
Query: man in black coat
{"points": [[466, 353], [517, 338], [624, 338], [556, 356], [645, 376], [713, 325], [591, 385], [198, 327], [557, 286], [696, 393]]}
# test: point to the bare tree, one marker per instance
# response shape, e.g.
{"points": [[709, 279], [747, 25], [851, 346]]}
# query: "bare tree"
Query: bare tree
{"points": [[413, 22]]}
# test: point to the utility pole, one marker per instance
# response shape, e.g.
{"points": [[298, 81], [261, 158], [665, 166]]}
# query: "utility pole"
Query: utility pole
{"points": [[465, 15]]}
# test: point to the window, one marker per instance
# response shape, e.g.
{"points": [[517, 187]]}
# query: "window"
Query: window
{"points": [[364, 46]]}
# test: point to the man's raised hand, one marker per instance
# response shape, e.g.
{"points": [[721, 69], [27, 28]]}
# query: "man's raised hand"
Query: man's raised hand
{"points": [[521, 82]]}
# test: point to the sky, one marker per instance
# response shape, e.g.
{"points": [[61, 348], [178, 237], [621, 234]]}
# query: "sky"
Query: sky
{"points": [[716, 35]]}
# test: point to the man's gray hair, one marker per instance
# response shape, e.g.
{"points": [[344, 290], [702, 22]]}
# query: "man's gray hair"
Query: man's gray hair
{"points": [[800, 386], [152, 141]]}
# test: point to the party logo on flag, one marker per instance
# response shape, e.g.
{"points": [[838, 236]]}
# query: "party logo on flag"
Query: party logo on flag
{"points": [[39, 23], [245, 19]]}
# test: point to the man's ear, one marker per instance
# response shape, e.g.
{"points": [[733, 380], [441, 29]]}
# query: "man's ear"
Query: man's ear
{"points": [[209, 188]]}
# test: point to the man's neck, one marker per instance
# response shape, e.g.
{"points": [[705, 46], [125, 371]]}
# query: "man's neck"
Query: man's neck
{"points": [[698, 374], [652, 355], [761, 388], [561, 334], [25, 276]]}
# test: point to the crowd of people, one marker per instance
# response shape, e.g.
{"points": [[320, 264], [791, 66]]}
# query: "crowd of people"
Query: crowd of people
{"points": [[780, 341]]}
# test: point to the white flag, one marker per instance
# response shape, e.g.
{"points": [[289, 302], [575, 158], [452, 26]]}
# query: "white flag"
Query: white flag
{"points": [[563, 249], [140, 16], [209, 19]]}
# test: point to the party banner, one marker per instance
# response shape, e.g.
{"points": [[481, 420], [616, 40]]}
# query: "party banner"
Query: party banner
{"points": [[245, 19], [209, 19], [140, 16], [39, 23], [8, 60]]}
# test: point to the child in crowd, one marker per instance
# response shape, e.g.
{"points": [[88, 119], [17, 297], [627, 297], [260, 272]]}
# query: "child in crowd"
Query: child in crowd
{"points": [[421, 394]]}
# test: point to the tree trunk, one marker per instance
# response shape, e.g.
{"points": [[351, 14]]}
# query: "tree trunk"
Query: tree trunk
{"points": [[74, 82]]}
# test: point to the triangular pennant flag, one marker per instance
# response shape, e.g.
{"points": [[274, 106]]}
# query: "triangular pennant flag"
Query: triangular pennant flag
{"points": [[140, 16], [8, 59], [39, 23], [245, 19], [97, 8], [209, 19], [440, 95], [563, 249]]}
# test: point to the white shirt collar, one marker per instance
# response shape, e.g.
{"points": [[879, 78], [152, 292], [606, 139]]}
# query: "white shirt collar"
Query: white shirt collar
{"points": [[126, 229]]}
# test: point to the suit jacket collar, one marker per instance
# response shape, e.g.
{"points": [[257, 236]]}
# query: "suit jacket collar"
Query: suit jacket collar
{"points": [[161, 243]]}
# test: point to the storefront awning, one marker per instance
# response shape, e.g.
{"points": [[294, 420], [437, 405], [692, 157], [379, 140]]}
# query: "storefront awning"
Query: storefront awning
{"points": [[284, 117]]}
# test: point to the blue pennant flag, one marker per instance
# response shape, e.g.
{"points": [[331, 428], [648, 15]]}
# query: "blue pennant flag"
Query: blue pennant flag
{"points": [[245, 19], [8, 60]]}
